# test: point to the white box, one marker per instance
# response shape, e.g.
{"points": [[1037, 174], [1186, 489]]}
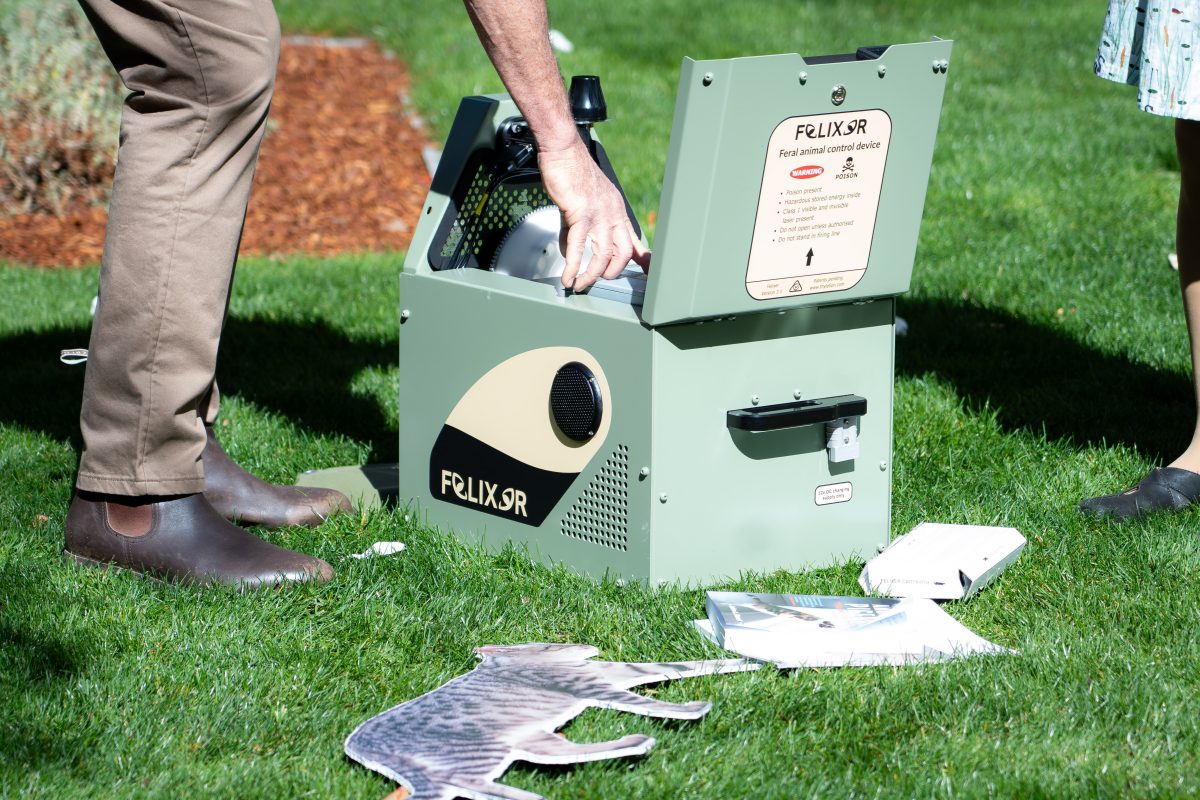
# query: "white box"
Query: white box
{"points": [[941, 561]]}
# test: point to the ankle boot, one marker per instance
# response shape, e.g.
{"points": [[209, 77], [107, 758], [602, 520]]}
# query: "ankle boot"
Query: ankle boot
{"points": [[179, 539], [244, 498]]}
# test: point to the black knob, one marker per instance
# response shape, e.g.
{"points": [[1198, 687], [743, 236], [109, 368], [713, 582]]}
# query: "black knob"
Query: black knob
{"points": [[587, 100]]}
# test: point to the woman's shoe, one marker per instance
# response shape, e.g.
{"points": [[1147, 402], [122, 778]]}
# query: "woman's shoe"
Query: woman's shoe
{"points": [[1165, 489]]}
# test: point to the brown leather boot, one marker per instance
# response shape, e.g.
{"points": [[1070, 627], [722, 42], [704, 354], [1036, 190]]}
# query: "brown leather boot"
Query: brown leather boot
{"points": [[179, 539], [241, 497]]}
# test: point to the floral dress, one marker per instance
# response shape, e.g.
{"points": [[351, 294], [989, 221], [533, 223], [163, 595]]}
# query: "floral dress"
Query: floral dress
{"points": [[1151, 44]]}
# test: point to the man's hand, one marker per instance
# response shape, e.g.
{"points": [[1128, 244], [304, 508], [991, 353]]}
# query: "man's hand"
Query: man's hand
{"points": [[516, 36], [593, 216]]}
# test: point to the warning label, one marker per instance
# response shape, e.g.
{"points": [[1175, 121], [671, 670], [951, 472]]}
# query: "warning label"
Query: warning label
{"points": [[817, 207]]}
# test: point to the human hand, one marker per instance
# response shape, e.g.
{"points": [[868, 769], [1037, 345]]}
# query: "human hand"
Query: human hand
{"points": [[593, 214]]}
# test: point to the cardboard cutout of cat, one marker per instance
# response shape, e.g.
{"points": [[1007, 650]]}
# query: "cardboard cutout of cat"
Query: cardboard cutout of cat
{"points": [[458, 739]]}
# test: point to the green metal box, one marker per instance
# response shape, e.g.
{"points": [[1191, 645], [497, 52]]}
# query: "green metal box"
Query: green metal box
{"points": [[738, 415]]}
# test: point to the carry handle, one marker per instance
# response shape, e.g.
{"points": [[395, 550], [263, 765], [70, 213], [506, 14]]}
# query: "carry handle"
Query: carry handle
{"points": [[793, 415]]}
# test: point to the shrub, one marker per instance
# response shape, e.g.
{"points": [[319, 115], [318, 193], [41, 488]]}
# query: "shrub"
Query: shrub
{"points": [[59, 109]]}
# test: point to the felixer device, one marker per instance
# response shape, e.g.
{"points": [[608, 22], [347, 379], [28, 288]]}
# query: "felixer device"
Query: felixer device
{"points": [[729, 411]]}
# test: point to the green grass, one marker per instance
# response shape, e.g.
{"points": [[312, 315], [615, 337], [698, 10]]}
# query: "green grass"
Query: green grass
{"points": [[1049, 191]]}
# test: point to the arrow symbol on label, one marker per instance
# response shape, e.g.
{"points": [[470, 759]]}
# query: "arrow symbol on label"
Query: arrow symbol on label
{"points": [[808, 263]]}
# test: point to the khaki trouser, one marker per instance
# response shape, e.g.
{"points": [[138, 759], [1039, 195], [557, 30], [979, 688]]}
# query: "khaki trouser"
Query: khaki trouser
{"points": [[200, 77]]}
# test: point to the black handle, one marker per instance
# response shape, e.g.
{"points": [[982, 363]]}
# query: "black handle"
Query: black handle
{"points": [[792, 415]]}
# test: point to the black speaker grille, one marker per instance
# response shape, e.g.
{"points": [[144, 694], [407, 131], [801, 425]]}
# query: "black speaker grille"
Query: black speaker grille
{"points": [[575, 402]]}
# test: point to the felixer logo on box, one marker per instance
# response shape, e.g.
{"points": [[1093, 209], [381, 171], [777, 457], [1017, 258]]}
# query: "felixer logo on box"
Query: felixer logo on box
{"points": [[810, 171], [483, 493]]}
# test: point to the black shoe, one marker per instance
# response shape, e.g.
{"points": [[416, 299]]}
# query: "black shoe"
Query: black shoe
{"points": [[1166, 489]]}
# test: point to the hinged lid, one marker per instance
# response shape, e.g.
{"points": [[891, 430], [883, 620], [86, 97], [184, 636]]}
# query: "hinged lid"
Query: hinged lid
{"points": [[794, 182]]}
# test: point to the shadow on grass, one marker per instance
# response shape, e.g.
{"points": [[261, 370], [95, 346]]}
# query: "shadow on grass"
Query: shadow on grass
{"points": [[33, 654], [304, 373], [300, 371], [36, 390], [40, 656], [1035, 377], [1039, 379]]}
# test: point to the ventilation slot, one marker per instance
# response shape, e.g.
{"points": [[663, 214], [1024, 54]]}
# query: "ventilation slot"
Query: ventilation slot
{"points": [[601, 514]]}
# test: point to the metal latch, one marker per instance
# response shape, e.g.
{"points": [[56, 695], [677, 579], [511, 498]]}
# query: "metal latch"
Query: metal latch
{"points": [[841, 439]]}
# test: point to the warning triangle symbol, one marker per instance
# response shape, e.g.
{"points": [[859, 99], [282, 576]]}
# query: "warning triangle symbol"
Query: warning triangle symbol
{"points": [[796, 287]]}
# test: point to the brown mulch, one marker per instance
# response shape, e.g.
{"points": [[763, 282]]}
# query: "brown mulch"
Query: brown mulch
{"points": [[340, 168]]}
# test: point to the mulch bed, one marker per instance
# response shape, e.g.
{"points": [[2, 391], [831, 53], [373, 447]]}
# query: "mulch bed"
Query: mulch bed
{"points": [[340, 168]]}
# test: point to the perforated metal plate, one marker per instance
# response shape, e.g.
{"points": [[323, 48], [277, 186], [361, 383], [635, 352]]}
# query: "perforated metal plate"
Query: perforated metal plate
{"points": [[576, 402], [601, 514], [481, 215]]}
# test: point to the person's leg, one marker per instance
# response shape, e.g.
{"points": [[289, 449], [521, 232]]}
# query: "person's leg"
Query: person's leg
{"points": [[1187, 242], [200, 90], [201, 79], [1177, 485]]}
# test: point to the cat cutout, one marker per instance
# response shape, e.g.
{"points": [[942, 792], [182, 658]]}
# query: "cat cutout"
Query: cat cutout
{"points": [[458, 739]]}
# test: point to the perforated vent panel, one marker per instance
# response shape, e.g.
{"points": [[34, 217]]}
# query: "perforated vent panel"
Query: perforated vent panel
{"points": [[601, 514], [479, 220]]}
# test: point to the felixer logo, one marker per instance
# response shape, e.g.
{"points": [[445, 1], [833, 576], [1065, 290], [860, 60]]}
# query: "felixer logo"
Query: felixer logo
{"points": [[811, 171], [483, 493]]}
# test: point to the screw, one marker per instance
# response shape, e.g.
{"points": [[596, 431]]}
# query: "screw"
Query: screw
{"points": [[803, 78], [708, 79], [662, 498], [882, 70], [838, 96]]}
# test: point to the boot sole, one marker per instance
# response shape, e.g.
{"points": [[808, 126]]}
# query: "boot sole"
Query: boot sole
{"points": [[91, 563], [241, 587]]}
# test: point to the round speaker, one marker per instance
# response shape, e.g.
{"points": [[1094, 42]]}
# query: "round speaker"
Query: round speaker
{"points": [[575, 402]]}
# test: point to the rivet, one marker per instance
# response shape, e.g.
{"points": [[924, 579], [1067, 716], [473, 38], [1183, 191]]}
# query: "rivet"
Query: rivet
{"points": [[796, 394], [644, 472], [883, 466], [662, 498], [937, 65], [753, 399], [404, 314], [708, 79], [803, 78], [882, 70]]}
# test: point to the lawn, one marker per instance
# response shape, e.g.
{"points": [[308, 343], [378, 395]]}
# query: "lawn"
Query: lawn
{"points": [[1046, 362]]}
